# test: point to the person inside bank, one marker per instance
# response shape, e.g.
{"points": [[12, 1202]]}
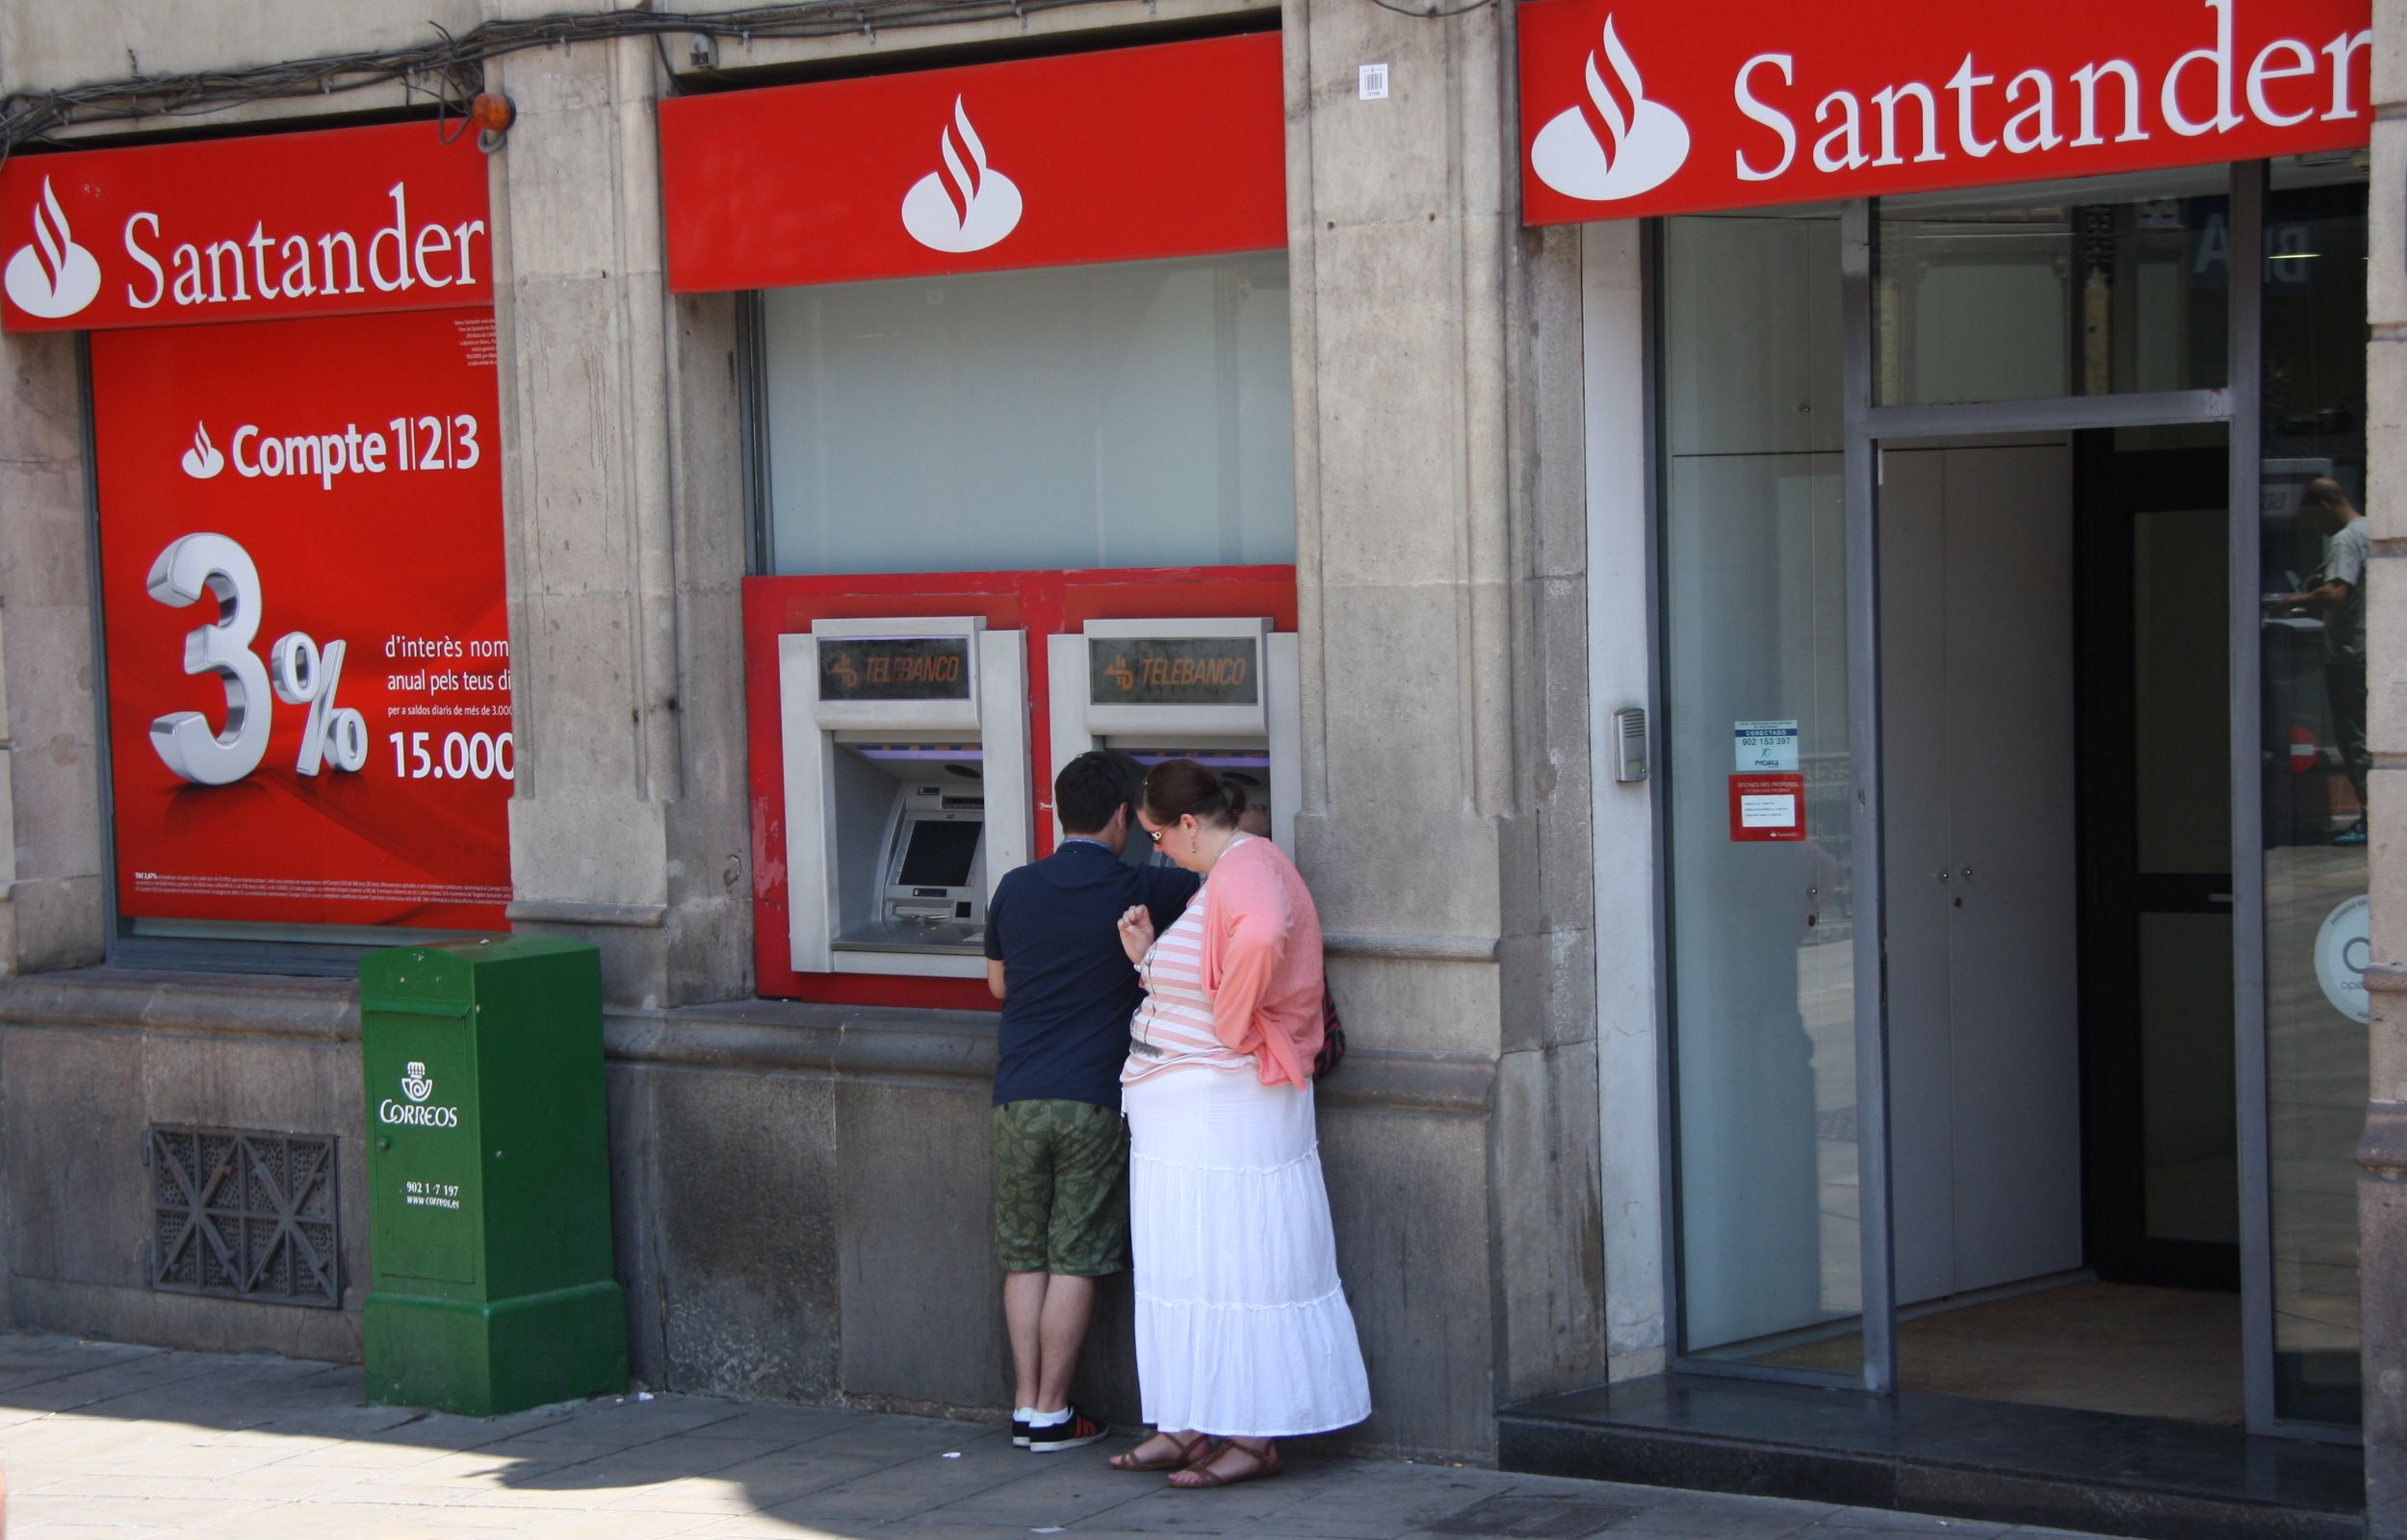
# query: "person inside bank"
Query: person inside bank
{"points": [[1061, 1150], [2336, 594], [1243, 1333]]}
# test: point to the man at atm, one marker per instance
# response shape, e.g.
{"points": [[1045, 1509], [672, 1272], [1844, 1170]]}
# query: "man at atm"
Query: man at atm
{"points": [[1061, 1151]]}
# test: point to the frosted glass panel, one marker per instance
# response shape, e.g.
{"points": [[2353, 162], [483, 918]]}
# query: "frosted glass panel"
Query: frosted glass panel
{"points": [[1755, 631], [1134, 415]]}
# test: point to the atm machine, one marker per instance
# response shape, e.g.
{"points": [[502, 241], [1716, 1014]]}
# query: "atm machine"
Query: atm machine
{"points": [[906, 790], [1222, 692]]}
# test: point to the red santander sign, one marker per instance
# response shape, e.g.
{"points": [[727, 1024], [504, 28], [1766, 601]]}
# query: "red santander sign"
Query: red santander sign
{"points": [[1114, 156], [346, 221], [1642, 106]]}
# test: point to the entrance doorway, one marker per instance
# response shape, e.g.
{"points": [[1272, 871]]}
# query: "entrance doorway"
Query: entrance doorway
{"points": [[2064, 1154], [1984, 520]]}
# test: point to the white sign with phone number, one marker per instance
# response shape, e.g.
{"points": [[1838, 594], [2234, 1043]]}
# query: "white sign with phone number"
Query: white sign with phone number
{"points": [[1766, 746]]}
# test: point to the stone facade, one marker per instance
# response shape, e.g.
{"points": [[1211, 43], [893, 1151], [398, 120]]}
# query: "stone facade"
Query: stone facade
{"points": [[802, 1191]]}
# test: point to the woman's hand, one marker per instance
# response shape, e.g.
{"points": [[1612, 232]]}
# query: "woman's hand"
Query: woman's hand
{"points": [[1136, 932]]}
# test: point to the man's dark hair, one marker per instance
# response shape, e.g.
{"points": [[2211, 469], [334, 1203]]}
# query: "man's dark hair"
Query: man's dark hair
{"points": [[1092, 787], [2324, 493]]}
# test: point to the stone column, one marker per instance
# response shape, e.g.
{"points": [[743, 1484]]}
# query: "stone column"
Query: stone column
{"points": [[2382, 1188], [594, 423], [51, 851], [1445, 826]]}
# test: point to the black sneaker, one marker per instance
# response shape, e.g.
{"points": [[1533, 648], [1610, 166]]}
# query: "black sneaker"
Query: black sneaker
{"points": [[1067, 1434], [1019, 1433]]}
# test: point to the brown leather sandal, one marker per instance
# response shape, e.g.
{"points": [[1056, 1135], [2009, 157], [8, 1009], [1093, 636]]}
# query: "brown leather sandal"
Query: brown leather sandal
{"points": [[1201, 1474], [1191, 1449]]}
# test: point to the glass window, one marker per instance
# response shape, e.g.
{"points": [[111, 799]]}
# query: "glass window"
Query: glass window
{"points": [[2065, 289], [1131, 415], [2314, 544], [1755, 621]]}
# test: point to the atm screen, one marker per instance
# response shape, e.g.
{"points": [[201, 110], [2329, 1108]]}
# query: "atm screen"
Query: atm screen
{"points": [[940, 852]]}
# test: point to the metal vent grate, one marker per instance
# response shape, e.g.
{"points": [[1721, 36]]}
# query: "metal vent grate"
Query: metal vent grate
{"points": [[249, 1216]]}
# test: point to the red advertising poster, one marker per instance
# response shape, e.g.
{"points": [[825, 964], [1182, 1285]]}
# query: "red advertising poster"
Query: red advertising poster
{"points": [[1171, 150], [344, 221], [302, 591], [1643, 107], [1767, 808]]}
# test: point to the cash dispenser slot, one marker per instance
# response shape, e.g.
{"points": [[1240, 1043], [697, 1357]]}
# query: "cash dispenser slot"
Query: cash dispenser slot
{"points": [[907, 790], [1221, 691]]}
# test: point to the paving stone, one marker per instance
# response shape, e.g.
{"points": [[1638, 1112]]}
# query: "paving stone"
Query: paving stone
{"points": [[100, 1440]]}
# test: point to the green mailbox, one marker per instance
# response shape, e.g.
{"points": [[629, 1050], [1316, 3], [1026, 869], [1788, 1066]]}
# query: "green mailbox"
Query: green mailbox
{"points": [[488, 1177]]}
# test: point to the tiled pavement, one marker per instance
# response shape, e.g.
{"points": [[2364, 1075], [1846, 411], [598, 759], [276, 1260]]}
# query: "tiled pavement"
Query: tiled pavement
{"points": [[132, 1443]]}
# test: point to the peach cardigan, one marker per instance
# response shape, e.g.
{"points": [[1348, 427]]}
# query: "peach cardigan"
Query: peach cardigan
{"points": [[1262, 964]]}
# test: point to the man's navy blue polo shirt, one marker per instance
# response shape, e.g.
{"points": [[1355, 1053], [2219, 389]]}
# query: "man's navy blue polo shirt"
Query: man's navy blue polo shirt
{"points": [[1068, 987]]}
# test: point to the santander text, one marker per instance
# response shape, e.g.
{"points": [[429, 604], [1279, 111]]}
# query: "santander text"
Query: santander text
{"points": [[2210, 88], [238, 269]]}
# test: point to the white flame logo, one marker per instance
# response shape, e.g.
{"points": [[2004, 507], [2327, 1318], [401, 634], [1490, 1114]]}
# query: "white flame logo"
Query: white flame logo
{"points": [[964, 207], [54, 278], [1617, 143], [202, 460]]}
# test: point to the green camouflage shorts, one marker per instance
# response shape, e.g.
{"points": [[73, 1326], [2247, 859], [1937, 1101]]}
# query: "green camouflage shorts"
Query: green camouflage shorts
{"points": [[1061, 1188]]}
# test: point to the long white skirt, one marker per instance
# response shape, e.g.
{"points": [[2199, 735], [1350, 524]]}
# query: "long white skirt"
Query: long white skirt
{"points": [[1242, 1326]]}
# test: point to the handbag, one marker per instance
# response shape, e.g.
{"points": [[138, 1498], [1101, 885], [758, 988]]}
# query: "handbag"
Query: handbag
{"points": [[1333, 1037]]}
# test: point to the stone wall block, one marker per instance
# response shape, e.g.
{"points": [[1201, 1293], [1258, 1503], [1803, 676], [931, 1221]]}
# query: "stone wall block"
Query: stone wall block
{"points": [[569, 162], [47, 47], [2386, 233], [44, 546], [744, 1186], [2382, 1262], [1552, 454], [1391, 404], [70, 1145], [922, 1297], [1418, 1005], [2385, 825], [572, 437], [2386, 436], [1544, 1142], [54, 922], [53, 719], [1397, 160], [1408, 1193], [2389, 51], [2386, 674]]}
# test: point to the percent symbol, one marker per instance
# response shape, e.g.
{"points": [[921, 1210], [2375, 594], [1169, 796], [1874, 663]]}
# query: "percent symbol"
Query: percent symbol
{"points": [[305, 676]]}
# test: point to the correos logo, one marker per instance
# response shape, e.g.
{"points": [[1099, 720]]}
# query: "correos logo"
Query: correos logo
{"points": [[53, 277], [965, 206], [1616, 143], [412, 1113]]}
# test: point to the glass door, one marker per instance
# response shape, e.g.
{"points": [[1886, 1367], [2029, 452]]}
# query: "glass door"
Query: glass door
{"points": [[2128, 333]]}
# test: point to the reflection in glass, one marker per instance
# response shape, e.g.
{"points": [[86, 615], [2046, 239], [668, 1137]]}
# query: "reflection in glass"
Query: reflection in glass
{"points": [[2061, 289], [1754, 613], [1131, 415], [2314, 540]]}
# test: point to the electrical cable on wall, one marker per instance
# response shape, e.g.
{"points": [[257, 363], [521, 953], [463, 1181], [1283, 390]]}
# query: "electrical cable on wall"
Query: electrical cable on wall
{"points": [[450, 69]]}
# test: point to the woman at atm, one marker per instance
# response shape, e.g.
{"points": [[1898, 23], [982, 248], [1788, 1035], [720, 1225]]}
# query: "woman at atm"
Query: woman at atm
{"points": [[1243, 1334]]}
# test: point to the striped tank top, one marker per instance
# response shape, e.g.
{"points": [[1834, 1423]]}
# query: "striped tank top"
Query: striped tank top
{"points": [[1173, 1029]]}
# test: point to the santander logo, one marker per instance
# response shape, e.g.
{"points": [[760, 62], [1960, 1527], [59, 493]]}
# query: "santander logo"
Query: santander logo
{"points": [[203, 459], [54, 278], [964, 206], [1617, 143]]}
